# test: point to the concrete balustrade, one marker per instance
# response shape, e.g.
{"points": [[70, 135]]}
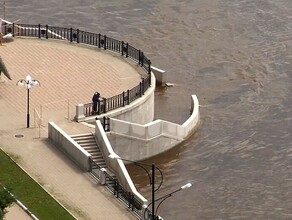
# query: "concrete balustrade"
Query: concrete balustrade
{"points": [[116, 165]]}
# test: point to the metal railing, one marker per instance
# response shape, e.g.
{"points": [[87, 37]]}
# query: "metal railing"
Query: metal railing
{"points": [[117, 101], [97, 40], [105, 121], [113, 185]]}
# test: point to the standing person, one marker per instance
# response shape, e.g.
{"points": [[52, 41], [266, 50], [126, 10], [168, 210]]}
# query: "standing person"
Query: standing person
{"points": [[95, 99]]}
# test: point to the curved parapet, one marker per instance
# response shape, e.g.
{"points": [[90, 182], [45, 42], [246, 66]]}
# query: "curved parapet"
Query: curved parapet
{"points": [[144, 141], [192, 122]]}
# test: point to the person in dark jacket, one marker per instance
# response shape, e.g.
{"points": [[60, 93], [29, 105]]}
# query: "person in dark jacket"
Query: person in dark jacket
{"points": [[95, 100]]}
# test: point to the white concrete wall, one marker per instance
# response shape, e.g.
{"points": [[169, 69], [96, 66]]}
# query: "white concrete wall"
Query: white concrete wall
{"points": [[159, 75], [66, 144], [140, 111], [138, 142], [116, 165]]}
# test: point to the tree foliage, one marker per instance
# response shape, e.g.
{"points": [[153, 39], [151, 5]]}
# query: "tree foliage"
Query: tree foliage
{"points": [[6, 199]]}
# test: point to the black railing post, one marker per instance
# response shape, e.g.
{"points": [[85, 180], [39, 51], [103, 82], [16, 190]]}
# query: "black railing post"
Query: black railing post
{"points": [[149, 67], [108, 124], [143, 86], [71, 35], [115, 187], [127, 50], [98, 107], [139, 57], [47, 28], [132, 200], [140, 86], [104, 105], [98, 40], [149, 71], [142, 59], [39, 30], [104, 123], [122, 48], [129, 199], [128, 99], [77, 36], [118, 185], [123, 99], [104, 45], [13, 29], [95, 40]]}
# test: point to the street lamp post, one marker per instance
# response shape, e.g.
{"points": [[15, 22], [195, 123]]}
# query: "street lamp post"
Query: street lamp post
{"points": [[151, 178], [163, 198], [29, 83]]}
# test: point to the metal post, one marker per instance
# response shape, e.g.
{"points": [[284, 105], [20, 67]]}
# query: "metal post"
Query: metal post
{"points": [[128, 97], [71, 35], [104, 46], [47, 28], [39, 30], [27, 116], [153, 191], [77, 36], [127, 50], [122, 48]]}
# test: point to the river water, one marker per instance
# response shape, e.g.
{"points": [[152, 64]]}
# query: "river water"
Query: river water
{"points": [[235, 55]]}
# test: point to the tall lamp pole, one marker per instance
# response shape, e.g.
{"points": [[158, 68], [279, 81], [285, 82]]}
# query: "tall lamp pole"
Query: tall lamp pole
{"points": [[163, 198], [151, 178], [29, 83]]}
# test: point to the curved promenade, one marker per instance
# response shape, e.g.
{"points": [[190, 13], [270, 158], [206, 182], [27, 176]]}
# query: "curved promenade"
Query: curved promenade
{"points": [[65, 73]]}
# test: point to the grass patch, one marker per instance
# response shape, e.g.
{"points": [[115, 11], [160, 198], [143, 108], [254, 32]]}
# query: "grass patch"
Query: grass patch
{"points": [[25, 189]]}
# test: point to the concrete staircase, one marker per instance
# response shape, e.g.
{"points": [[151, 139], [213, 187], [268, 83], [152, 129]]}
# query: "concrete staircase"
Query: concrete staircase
{"points": [[87, 141]]}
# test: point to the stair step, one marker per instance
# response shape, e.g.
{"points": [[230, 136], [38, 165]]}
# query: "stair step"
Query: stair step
{"points": [[97, 158], [100, 163], [84, 138], [96, 154], [84, 145], [86, 141], [81, 135]]}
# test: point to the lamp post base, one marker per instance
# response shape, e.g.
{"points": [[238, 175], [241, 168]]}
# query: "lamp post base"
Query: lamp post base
{"points": [[27, 120]]}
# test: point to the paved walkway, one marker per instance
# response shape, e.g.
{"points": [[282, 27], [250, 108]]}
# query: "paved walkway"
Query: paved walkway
{"points": [[69, 74]]}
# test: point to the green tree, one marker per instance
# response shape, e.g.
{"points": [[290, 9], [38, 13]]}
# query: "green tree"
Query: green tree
{"points": [[6, 199]]}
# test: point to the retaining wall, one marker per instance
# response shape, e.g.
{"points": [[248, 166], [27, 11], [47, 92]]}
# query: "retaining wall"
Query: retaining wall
{"points": [[138, 142], [66, 144], [139, 111]]}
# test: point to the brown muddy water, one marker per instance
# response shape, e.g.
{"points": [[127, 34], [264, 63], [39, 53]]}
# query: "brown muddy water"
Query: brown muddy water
{"points": [[235, 55]]}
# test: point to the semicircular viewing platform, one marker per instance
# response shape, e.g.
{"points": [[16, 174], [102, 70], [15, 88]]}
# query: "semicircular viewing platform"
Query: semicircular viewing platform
{"points": [[67, 72]]}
